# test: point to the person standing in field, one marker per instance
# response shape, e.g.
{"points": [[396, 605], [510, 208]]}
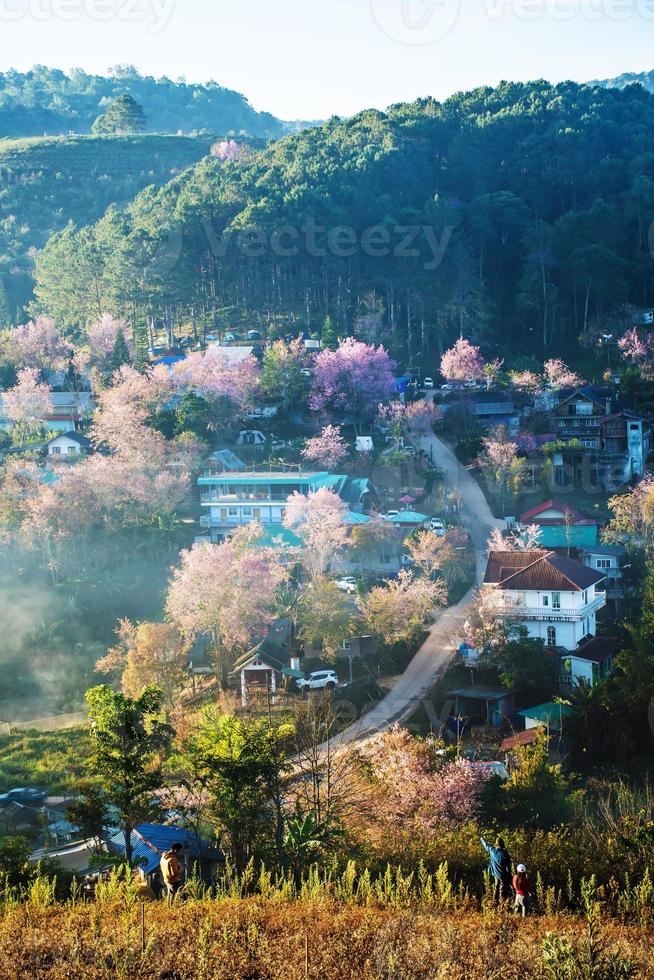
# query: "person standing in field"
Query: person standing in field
{"points": [[523, 891], [171, 870], [499, 868]]}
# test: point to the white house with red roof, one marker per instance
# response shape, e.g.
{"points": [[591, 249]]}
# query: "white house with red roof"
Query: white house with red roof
{"points": [[553, 597]]}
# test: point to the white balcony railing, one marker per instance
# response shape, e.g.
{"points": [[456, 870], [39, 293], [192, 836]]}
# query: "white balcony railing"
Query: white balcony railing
{"points": [[563, 614]]}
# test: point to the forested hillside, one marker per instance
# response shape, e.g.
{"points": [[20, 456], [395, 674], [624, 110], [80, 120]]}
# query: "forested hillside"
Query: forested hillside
{"points": [[46, 101], [45, 183], [514, 213]]}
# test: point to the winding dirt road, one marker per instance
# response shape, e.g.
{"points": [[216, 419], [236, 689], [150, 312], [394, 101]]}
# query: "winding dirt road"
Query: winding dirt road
{"points": [[445, 633]]}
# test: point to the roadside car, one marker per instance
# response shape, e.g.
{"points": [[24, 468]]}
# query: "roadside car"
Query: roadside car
{"points": [[318, 680], [347, 583], [427, 383], [436, 525], [23, 795]]}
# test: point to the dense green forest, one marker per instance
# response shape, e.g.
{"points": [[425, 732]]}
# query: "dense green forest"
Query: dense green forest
{"points": [[46, 101], [514, 214], [45, 183]]}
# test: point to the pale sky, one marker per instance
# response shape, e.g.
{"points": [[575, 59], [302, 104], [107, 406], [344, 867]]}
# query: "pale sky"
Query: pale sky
{"points": [[314, 58]]}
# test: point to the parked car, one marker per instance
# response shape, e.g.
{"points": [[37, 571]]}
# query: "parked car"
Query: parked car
{"points": [[318, 680], [390, 513], [436, 525], [278, 444], [409, 450], [347, 583], [406, 561], [306, 373], [427, 382], [253, 335], [447, 387], [231, 337], [23, 795], [212, 338]]}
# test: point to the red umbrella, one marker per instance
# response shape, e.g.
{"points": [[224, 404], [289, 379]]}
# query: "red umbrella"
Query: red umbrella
{"points": [[407, 499]]}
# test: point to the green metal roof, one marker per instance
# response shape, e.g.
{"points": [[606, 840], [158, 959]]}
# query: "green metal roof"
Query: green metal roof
{"points": [[258, 478], [548, 713], [355, 519], [408, 517], [276, 535], [559, 536]]}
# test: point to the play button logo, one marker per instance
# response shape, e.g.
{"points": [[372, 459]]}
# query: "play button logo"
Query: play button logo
{"points": [[415, 22]]}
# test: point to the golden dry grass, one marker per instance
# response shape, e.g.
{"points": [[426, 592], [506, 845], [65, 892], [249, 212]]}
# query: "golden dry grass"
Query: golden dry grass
{"points": [[247, 939]]}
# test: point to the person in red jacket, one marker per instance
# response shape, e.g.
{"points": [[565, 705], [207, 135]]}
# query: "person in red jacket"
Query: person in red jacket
{"points": [[523, 891]]}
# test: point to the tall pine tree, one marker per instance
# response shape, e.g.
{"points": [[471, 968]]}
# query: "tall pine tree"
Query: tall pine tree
{"points": [[140, 344], [120, 354]]}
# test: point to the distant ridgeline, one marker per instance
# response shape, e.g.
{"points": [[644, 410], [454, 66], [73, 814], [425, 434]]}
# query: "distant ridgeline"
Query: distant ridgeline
{"points": [[46, 101], [644, 78]]}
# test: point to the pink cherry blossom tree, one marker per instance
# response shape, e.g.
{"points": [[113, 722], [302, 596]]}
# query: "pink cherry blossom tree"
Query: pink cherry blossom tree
{"points": [[226, 590], [318, 519], [418, 791], [327, 449], [639, 351], [41, 346], [528, 382], [500, 461], [351, 381], [225, 384], [230, 150], [27, 404], [102, 337], [120, 422], [559, 375], [414, 420], [463, 362]]}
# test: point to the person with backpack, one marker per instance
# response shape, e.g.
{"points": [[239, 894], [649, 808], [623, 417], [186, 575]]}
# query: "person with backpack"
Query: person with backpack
{"points": [[499, 868], [523, 891], [171, 870]]}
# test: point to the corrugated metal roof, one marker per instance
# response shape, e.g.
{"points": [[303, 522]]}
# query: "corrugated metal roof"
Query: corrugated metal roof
{"points": [[548, 714], [150, 840]]}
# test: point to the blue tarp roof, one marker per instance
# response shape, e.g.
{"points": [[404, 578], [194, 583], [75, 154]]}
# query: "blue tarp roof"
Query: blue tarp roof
{"points": [[150, 840]]}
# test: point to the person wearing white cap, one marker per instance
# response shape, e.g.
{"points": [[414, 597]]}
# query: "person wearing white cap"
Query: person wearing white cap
{"points": [[523, 891]]}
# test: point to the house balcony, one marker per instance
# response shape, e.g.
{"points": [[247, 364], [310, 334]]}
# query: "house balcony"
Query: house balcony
{"points": [[233, 498], [549, 614]]}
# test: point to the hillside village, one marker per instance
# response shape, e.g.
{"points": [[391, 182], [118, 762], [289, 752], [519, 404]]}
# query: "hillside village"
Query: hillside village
{"points": [[363, 522], [326, 534]]}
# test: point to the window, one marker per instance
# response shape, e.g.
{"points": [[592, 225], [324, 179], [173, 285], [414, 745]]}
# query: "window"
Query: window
{"points": [[603, 563], [556, 600], [56, 450], [546, 600], [561, 423], [583, 408], [232, 511], [585, 598], [346, 645], [551, 636]]}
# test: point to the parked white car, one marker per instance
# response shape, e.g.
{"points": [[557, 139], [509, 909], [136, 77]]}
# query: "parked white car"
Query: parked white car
{"points": [[318, 680], [436, 525], [347, 583], [390, 513], [427, 383]]}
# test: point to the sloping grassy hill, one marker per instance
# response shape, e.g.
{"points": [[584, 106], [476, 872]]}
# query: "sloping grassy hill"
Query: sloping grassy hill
{"points": [[47, 182]]}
